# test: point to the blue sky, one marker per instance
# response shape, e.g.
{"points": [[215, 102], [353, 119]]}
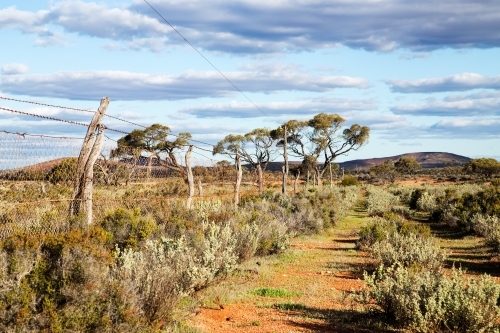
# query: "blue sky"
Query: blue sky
{"points": [[424, 76]]}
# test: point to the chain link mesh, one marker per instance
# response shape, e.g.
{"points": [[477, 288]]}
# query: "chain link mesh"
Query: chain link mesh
{"points": [[37, 174]]}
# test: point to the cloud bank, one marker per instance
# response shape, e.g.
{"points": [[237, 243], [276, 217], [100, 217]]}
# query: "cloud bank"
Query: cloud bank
{"points": [[252, 27], [478, 104], [457, 82], [14, 68], [122, 85]]}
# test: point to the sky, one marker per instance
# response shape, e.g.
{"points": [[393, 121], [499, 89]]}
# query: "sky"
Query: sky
{"points": [[423, 75]]}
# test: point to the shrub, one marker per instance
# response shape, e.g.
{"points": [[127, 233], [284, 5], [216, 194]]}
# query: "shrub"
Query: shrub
{"points": [[64, 172], [379, 201], [488, 227], [379, 229], [408, 251], [128, 228], [428, 302], [426, 202], [349, 181]]}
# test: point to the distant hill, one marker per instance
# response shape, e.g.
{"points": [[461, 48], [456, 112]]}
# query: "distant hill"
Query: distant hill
{"points": [[426, 160]]}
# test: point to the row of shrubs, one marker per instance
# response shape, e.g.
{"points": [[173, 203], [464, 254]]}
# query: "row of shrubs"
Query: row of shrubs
{"points": [[127, 272], [411, 287], [470, 207]]}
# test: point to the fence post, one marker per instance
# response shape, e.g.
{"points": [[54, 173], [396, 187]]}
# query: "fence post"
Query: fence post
{"points": [[81, 199]]}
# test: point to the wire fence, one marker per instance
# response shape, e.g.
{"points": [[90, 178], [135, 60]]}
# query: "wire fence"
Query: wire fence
{"points": [[37, 173]]}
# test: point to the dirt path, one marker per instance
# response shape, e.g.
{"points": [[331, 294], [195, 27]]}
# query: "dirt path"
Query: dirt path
{"points": [[317, 272]]}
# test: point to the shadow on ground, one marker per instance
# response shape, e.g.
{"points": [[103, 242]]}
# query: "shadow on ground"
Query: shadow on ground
{"points": [[341, 321]]}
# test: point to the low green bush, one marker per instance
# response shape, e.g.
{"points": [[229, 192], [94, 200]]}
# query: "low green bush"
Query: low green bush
{"points": [[409, 251], [127, 228], [427, 302], [488, 227], [349, 181], [379, 229], [379, 201]]}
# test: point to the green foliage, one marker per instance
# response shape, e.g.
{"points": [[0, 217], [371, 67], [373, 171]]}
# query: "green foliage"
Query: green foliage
{"points": [[273, 292], [349, 181], [483, 166], [379, 201], [485, 202], [63, 172], [380, 229], [488, 227], [128, 228], [385, 171], [409, 250], [428, 302], [407, 165]]}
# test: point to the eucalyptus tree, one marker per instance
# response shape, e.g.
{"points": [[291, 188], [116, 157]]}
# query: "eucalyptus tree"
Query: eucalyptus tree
{"points": [[407, 165], [231, 146], [290, 129], [257, 150], [385, 171], [154, 141], [320, 137]]}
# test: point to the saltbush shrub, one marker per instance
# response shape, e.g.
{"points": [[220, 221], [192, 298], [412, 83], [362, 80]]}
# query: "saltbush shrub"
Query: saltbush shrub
{"points": [[488, 227], [409, 250], [427, 302], [379, 201]]}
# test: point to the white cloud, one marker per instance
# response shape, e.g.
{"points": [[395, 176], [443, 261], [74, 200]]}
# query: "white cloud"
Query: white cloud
{"points": [[121, 85], [477, 128], [482, 103], [14, 68], [252, 27], [274, 109], [457, 82]]}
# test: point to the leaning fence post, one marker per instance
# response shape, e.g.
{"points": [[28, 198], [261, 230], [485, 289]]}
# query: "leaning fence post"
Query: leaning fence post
{"points": [[81, 199]]}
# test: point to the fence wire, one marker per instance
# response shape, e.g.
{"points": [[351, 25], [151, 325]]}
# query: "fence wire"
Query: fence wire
{"points": [[37, 174]]}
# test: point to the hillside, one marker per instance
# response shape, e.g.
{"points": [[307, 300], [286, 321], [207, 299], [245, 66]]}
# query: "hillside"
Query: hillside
{"points": [[426, 160]]}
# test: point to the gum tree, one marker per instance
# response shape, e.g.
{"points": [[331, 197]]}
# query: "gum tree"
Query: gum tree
{"points": [[407, 165], [257, 150], [321, 137], [154, 141], [231, 146]]}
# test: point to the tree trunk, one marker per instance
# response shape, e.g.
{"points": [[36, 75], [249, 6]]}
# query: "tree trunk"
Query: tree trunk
{"points": [[150, 161], [331, 176], [297, 176], [307, 182], [283, 180], [260, 178], [239, 175], [319, 179], [190, 178], [285, 170], [200, 188]]}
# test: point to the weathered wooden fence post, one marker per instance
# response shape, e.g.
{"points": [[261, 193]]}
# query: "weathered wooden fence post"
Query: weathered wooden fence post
{"points": [[81, 199]]}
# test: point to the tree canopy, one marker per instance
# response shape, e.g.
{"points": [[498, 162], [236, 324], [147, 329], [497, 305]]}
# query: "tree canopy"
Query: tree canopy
{"points": [[407, 165], [320, 137], [483, 166], [154, 141]]}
